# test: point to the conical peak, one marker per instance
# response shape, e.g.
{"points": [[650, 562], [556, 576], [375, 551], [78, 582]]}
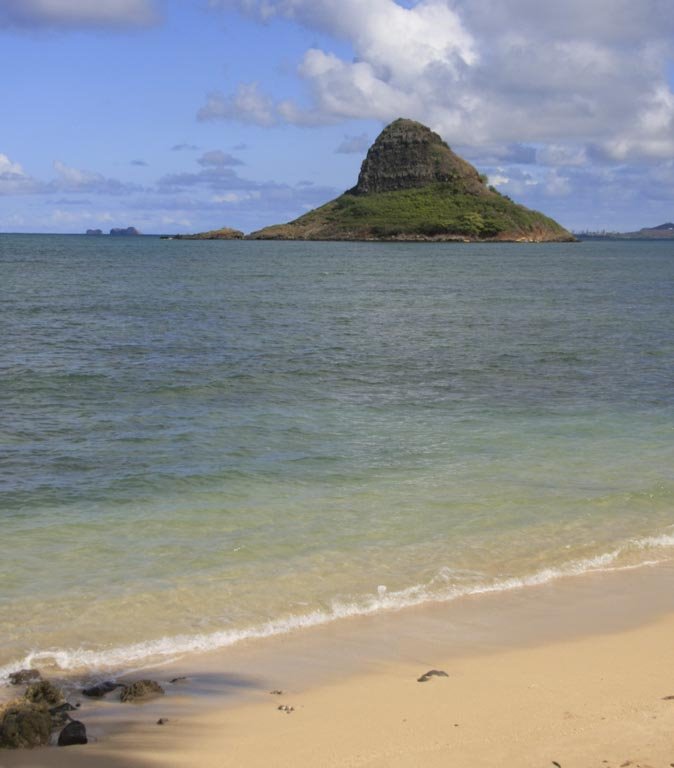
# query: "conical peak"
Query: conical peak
{"points": [[407, 154]]}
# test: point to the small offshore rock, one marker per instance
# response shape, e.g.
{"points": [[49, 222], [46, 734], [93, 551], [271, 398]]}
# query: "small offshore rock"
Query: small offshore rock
{"points": [[44, 692], [73, 733], [177, 680], [141, 689], [24, 725], [431, 673], [100, 689], [24, 676]]}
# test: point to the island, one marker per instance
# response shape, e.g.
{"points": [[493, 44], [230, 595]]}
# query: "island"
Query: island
{"points": [[124, 232], [224, 233], [413, 187], [94, 232]]}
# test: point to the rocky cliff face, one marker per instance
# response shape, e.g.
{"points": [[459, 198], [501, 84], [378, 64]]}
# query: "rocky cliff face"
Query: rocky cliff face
{"points": [[406, 155]]}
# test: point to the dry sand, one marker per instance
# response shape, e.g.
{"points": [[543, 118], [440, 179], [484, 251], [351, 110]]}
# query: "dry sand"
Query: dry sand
{"points": [[579, 701]]}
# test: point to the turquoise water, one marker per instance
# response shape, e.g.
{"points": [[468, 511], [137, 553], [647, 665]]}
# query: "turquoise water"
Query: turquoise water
{"points": [[207, 441]]}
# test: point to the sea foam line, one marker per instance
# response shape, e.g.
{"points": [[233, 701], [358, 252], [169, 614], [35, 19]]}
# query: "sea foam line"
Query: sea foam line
{"points": [[168, 648]]}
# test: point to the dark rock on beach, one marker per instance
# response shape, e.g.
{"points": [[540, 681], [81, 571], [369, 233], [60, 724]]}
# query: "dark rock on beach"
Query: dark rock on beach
{"points": [[100, 689], [141, 689], [44, 692], [73, 733], [431, 673], [24, 724], [24, 676]]}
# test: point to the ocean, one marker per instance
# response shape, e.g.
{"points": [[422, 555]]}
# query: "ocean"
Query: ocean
{"points": [[203, 442]]}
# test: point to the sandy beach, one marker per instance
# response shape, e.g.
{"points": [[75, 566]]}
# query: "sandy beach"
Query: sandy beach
{"points": [[575, 673]]}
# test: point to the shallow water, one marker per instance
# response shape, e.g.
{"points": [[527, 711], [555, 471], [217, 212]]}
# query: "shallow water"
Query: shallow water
{"points": [[204, 441]]}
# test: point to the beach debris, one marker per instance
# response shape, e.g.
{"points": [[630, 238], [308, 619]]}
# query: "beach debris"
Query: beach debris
{"points": [[100, 689], [24, 676], [24, 724], [162, 721], [668, 698], [141, 689], [175, 680], [73, 733], [554, 762], [431, 673], [276, 692], [285, 708], [44, 692]]}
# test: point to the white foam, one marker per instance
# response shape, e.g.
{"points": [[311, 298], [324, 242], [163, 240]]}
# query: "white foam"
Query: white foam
{"points": [[152, 652]]}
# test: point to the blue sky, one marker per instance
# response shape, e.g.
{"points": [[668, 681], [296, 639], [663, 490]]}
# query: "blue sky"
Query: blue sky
{"points": [[185, 115]]}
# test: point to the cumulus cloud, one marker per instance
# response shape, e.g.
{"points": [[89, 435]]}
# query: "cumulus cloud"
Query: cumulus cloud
{"points": [[65, 14], [14, 180], [580, 77]]}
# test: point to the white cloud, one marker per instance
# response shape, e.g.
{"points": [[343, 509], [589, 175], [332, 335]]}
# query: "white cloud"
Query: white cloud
{"points": [[71, 179], [14, 180], [248, 104], [236, 197], [78, 13], [498, 179], [568, 77]]}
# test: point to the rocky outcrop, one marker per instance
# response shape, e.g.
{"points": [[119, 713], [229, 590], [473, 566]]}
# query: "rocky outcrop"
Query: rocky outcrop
{"points": [[24, 676], [141, 690], [24, 724], [44, 692], [413, 187], [406, 155]]}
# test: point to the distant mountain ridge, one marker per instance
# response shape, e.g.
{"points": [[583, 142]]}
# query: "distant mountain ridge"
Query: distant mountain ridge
{"points": [[412, 186], [661, 232]]}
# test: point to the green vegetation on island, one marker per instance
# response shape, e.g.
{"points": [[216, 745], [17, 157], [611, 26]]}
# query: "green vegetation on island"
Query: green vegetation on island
{"points": [[413, 187]]}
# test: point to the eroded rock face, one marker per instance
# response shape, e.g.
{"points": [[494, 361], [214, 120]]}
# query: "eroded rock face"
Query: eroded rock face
{"points": [[141, 689], [24, 676], [44, 692], [23, 724], [406, 155]]}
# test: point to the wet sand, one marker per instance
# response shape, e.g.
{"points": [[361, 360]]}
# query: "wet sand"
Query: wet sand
{"points": [[574, 673]]}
